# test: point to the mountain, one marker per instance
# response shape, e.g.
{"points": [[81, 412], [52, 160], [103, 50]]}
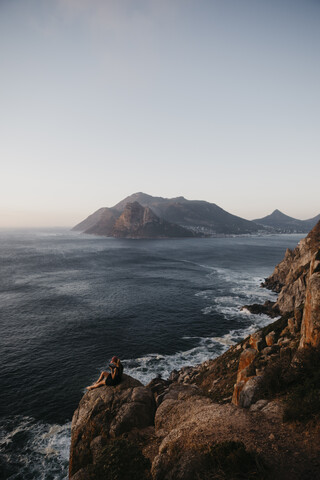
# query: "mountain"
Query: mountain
{"points": [[282, 223], [200, 217], [312, 222], [137, 221]]}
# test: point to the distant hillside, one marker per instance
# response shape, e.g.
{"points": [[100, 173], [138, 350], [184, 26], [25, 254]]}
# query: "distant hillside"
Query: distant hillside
{"points": [[200, 217], [100, 222], [282, 223]]}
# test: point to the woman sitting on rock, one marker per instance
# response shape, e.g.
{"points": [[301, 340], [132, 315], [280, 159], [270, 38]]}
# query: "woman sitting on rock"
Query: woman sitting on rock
{"points": [[107, 378]]}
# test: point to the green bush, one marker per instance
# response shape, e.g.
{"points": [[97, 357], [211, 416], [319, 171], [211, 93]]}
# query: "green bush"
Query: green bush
{"points": [[277, 376], [122, 460], [231, 461], [299, 380], [303, 400]]}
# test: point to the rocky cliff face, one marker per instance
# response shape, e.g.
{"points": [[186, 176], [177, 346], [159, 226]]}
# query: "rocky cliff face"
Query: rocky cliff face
{"points": [[310, 329], [140, 222], [291, 276], [176, 427], [297, 280]]}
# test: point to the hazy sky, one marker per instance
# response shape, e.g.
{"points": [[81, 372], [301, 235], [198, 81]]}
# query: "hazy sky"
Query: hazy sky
{"points": [[210, 99]]}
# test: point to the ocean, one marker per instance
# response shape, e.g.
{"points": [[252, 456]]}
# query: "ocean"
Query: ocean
{"points": [[69, 302]]}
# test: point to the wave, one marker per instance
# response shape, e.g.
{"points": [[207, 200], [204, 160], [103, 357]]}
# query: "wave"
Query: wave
{"points": [[242, 288], [33, 449], [150, 366]]}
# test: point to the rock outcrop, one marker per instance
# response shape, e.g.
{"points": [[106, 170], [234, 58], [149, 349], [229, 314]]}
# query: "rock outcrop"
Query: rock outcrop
{"points": [[106, 413], [297, 280], [291, 276], [310, 328]]}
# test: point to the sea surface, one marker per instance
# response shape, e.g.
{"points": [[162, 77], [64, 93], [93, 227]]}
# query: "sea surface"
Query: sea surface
{"points": [[69, 302]]}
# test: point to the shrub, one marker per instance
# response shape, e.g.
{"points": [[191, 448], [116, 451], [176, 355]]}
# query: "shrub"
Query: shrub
{"points": [[231, 461], [299, 380], [122, 460], [277, 376], [303, 401]]}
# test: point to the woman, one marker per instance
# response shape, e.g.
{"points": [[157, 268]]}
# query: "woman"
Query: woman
{"points": [[107, 378]]}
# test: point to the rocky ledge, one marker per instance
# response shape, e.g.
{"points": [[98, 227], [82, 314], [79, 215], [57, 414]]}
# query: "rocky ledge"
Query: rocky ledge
{"points": [[106, 413], [253, 412]]}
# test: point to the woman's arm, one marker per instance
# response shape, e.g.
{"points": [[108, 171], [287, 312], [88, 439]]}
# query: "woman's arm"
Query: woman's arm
{"points": [[114, 372]]}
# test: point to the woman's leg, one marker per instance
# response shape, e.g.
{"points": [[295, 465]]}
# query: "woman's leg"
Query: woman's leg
{"points": [[102, 376], [96, 385], [101, 381]]}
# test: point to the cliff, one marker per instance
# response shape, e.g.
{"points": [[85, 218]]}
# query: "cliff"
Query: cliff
{"points": [[253, 412], [140, 222], [292, 276]]}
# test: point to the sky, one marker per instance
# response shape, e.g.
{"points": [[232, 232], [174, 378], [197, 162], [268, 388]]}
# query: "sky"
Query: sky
{"points": [[217, 100]]}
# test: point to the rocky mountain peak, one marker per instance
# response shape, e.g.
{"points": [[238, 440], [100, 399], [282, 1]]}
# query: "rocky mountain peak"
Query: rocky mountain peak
{"points": [[280, 222], [278, 213]]}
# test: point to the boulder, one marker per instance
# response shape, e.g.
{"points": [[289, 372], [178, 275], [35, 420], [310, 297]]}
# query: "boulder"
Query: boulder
{"points": [[256, 341], [267, 351], [108, 412], [246, 358], [268, 308], [270, 339], [174, 396], [255, 407], [238, 387], [249, 391], [159, 387], [243, 375]]}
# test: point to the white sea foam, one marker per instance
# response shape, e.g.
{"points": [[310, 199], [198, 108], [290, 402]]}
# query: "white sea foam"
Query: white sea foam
{"points": [[150, 366], [41, 450], [246, 311], [244, 288]]}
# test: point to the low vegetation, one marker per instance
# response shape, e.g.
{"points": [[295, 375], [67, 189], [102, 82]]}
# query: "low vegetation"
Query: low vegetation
{"points": [[299, 381], [122, 460], [217, 381], [231, 461]]}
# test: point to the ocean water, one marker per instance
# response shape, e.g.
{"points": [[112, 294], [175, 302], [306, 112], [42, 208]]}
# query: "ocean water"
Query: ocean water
{"points": [[68, 302]]}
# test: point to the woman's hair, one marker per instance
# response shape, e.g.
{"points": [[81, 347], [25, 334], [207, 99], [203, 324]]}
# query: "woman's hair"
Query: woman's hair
{"points": [[114, 359]]}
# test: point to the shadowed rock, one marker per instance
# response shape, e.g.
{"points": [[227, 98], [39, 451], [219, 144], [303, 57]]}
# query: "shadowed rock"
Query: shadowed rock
{"points": [[108, 412]]}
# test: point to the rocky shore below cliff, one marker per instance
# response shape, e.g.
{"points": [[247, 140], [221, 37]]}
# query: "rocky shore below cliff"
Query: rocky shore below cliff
{"points": [[251, 413]]}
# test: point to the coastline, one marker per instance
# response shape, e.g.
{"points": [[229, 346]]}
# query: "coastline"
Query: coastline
{"points": [[201, 347]]}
